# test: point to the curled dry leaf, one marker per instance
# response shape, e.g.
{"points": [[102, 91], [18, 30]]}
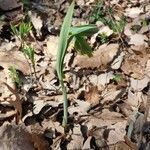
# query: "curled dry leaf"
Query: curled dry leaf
{"points": [[15, 137], [100, 59], [135, 64], [92, 95], [16, 59], [36, 21], [134, 99], [111, 93]]}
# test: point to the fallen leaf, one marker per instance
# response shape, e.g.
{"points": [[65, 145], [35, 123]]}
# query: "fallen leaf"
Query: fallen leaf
{"points": [[117, 132], [105, 30], [117, 62], [134, 99], [138, 39], [139, 85], [111, 93], [135, 64], [16, 59], [81, 108], [100, 59], [36, 21], [15, 137], [92, 95], [133, 12]]}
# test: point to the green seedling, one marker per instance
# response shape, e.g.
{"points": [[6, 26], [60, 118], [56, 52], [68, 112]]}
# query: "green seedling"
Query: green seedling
{"points": [[117, 78], [68, 34], [29, 53], [22, 30], [103, 38], [105, 15], [15, 76]]}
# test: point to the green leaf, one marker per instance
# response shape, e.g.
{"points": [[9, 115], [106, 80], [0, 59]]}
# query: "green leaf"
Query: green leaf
{"points": [[83, 30], [63, 40], [82, 46], [29, 52], [15, 76]]}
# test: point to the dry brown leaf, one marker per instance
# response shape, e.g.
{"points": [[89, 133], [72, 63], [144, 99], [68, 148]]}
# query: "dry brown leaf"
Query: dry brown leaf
{"points": [[135, 64], [106, 118], [14, 99], [117, 132], [36, 21], [105, 30], [135, 98], [139, 85], [111, 93], [133, 12], [138, 39], [76, 139], [16, 59], [52, 45], [121, 145], [15, 137], [92, 95], [100, 59]]}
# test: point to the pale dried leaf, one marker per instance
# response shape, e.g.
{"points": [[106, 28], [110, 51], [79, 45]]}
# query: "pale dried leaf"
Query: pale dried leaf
{"points": [[100, 59], [36, 21], [105, 30], [82, 107], [133, 12], [16, 59], [134, 99], [117, 62], [15, 137], [117, 133], [52, 45], [138, 39], [92, 95], [139, 85]]}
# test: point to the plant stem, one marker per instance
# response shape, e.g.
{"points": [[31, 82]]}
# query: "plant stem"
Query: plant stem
{"points": [[65, 104]]}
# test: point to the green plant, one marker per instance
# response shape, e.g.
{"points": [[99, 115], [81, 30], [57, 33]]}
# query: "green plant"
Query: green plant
{"points": [[117, 78], [29, 53], [68, 34], [15, 76], [104, 13], [103, 38], [22, 30]]}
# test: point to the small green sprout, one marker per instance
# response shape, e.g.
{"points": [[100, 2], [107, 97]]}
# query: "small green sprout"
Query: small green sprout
{"points": [[29, 52], [15, 76], [22, 30], [117, 78], [67, 34], [103, 37], [105, 15]]}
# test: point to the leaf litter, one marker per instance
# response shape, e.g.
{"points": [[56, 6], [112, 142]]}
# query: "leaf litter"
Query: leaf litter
{"points": [[104, 91]]}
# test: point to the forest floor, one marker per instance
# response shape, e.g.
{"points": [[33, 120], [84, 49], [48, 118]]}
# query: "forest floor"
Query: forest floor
{"points": [[108, 93]]}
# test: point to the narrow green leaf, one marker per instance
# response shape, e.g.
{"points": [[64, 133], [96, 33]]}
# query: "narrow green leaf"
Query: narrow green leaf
{"points": [[82, 46], [84, 30], [63, 40]]}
